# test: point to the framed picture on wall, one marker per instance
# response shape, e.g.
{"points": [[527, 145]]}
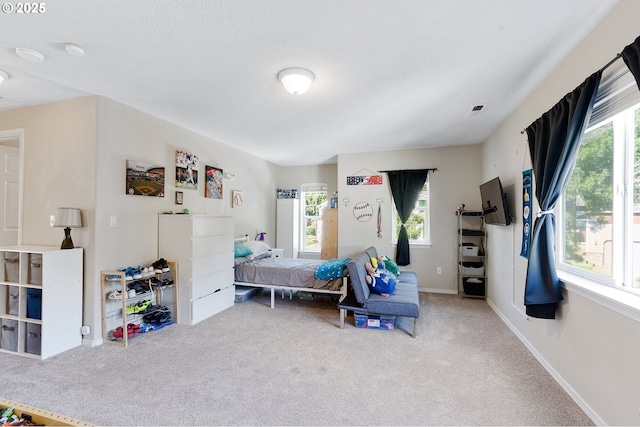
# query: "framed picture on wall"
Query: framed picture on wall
{"points": [[179, 197], [145, 179], [237, 198], [213, 185], [186, 170]]}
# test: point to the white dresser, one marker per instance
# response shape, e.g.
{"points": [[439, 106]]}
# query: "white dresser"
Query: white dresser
{"points": [[202, 245]]}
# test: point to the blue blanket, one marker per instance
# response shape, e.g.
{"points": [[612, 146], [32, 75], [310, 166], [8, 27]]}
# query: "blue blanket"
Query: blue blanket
{"points": [[331, 269]]}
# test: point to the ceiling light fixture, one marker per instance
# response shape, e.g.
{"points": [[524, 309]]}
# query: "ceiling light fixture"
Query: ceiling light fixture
{"points": [[74, 49], [3, 76], [29, 54], [296, 80]]}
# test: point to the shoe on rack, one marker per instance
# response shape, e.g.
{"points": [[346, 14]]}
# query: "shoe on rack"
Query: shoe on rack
{"points": [[135, 273], [164, 265], [157, 267], [117, 295], [112, 277], [128, 274], [138, 307]]}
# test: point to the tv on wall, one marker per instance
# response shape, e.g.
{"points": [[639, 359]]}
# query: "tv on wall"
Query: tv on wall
{"points": [[494, 203]]}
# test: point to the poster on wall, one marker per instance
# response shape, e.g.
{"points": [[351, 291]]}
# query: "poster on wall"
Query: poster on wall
{"points": [[526, 213], [186, 170], [213, 186], [145, 179]]}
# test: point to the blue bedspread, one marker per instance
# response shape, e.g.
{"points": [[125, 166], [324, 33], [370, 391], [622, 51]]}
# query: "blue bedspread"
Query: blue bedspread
{"points": [[332, 269]]}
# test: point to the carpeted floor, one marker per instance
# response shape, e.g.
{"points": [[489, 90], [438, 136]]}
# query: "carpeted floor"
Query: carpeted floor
{"points": [[251, 365]]}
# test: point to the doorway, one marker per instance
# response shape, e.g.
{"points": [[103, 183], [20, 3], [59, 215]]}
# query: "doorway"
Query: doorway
{"points": [[11, 167]]}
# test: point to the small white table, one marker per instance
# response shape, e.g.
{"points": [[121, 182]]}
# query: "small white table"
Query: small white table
{"points": [[276, 253]]}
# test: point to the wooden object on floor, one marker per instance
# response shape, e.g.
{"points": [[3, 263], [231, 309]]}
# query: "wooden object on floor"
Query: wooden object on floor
{"points": [[40, 416]]}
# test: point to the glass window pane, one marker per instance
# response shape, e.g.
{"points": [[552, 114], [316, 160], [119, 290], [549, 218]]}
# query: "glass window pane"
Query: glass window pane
{"points": [[314, 202], [588, 204], [635, 233]]}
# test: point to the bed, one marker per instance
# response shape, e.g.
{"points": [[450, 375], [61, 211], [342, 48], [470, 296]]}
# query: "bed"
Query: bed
{"points": [[260, 269]]}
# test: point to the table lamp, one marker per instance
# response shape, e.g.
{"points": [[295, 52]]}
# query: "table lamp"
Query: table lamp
{"points": [[68, 218]]}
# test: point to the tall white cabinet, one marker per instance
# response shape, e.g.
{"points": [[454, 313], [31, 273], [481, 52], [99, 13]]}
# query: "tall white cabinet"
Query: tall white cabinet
{"points": [[40, 300], [288, 226], [202, 246]]}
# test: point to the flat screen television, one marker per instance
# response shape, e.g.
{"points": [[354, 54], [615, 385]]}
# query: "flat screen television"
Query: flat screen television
{"points": [[494, 203]]}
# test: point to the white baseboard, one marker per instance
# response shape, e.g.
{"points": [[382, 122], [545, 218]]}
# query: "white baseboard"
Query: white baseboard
{"points": [[91, 343], [565, 385], [437, 291]]}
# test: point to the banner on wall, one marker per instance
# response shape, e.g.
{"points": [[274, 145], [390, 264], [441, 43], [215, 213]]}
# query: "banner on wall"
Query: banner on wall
{"points": [[526, 212]]}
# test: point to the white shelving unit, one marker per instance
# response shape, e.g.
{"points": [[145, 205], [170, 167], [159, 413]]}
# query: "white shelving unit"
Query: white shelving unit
{"points": [[202, 245], [40, 300], [472, 280]]}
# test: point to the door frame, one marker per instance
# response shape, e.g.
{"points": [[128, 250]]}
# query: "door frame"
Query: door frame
{"points": [[12, 135]]}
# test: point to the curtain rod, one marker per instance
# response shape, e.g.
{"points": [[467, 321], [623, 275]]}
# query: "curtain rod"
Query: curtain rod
{"points": [[410, 170], [618, 56]]}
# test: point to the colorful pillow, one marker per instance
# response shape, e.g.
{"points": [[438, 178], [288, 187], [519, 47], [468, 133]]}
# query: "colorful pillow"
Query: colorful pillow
{"points": [[390, 265], [256, 247], [240, 250]]}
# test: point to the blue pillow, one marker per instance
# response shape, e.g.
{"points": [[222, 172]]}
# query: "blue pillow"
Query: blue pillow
{"points": [[240, 250]]}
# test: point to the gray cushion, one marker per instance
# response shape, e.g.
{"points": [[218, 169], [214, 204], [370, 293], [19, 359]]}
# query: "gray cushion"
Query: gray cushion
{"points": [[404, 300], [358, 274]]}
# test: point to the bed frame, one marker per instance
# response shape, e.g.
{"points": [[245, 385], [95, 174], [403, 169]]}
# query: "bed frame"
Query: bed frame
{"points": [[342, 291]]}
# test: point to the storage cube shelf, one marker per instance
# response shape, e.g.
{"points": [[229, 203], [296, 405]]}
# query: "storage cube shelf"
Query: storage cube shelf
{"points": [[40, 300], [471, 254]]}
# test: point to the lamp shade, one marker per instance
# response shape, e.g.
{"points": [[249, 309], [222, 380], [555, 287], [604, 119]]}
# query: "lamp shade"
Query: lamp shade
{"points": [[296, 80], [68, 217]]}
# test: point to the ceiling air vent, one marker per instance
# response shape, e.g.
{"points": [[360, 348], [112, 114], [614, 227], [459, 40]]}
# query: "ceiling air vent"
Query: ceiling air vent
{"points": [[476, 110]]}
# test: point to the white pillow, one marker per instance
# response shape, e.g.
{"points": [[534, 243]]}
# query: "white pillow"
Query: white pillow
{"points": [[257, 247]]}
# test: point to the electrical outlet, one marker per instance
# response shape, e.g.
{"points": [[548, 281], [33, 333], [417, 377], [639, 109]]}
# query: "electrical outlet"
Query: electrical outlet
{"points": [[439, 270], [113, 221], [52, 220]]}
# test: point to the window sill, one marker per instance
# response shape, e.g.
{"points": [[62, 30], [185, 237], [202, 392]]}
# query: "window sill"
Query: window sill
{"points": [[414, 245], [618, 300]]}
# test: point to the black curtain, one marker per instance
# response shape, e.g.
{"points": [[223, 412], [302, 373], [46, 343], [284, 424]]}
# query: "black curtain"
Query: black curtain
{"points": [[554, 140], [406, 186], [631, 57]]}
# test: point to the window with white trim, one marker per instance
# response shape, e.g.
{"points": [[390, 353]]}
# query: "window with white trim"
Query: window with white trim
{"points": [[418, 224], [314, 198], [598, 219]]}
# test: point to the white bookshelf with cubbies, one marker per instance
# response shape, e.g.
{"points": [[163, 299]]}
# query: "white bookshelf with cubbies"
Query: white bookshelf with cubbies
{"points": [[40, 300]]}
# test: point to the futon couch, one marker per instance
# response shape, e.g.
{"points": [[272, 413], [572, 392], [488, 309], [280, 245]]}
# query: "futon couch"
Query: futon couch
{"points": [[402, 302]]}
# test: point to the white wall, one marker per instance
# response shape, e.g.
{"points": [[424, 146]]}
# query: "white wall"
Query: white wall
{"points": [[128, 134], [592, 350], [75, 155], [455, 182]]}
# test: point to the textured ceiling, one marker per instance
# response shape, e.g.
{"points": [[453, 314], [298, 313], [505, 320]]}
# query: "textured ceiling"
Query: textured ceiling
{"points": [[388, 74]]}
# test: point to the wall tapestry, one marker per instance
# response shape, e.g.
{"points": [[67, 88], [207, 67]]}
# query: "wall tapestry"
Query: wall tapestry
{"points": [[145, 179], [213, 187], [186, 170]]}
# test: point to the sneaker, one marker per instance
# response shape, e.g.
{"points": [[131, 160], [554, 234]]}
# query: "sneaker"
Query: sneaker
{"points": [[112, 277], [128, 276], [135, 273], [164, 265], [115, 295], [138, 307], [157, 267]]}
